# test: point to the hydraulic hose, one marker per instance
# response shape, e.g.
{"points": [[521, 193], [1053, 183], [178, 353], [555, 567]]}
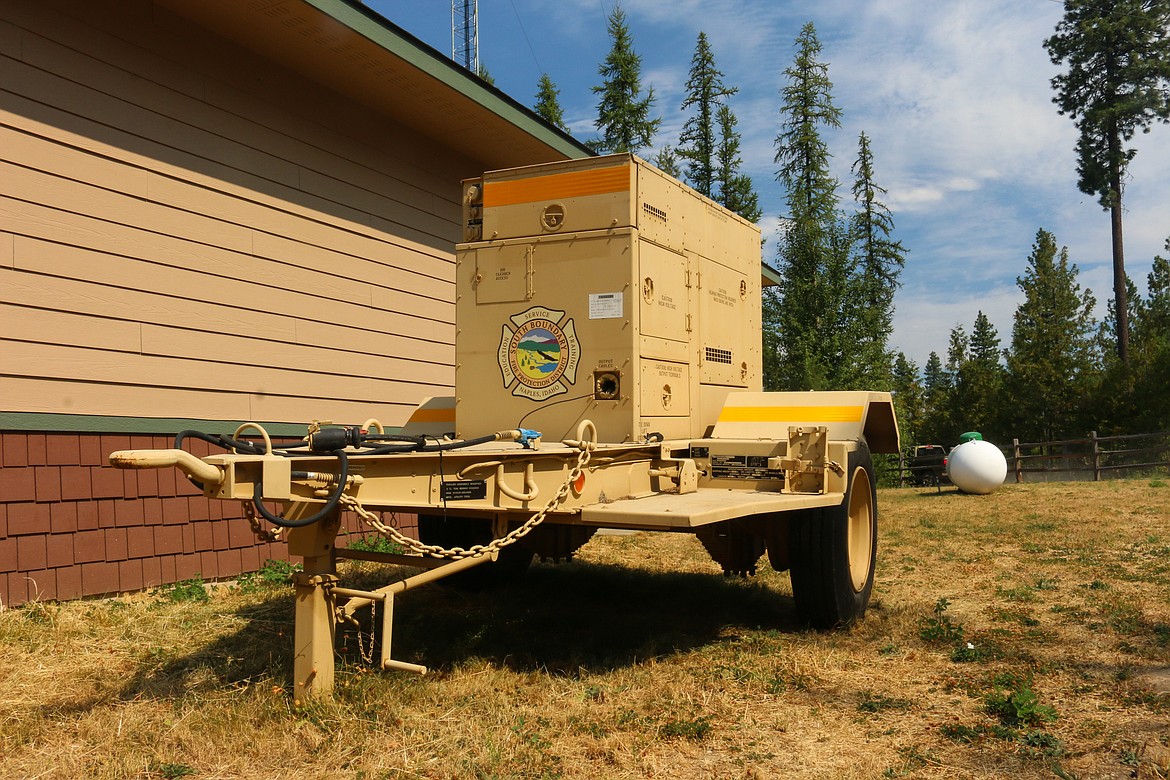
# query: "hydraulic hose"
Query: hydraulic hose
{"points": [[330, 505]]}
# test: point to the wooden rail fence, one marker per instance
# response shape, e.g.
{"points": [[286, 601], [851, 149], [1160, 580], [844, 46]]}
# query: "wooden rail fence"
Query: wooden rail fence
{"points": [[1079, 460], [1092, 458]]}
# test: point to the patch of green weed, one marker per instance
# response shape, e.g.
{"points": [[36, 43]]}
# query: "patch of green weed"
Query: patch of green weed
{"points": [[966, 653], [1020, 594], [875, 703], [939, 628], [186, 590], [694, 730], [273, 573], [376, 543], [1041, 743], [1018, 707], [1009, 615]]}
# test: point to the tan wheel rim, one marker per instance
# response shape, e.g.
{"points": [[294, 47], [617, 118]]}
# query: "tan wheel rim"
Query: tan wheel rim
{"points": [[860, 534]]}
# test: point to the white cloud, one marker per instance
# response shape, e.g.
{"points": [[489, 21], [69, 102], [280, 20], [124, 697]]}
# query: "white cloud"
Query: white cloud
{"points": [[923, 321]]}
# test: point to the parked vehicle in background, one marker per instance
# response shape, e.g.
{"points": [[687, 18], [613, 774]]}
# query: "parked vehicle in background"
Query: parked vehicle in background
{"points": [[928, 466]]}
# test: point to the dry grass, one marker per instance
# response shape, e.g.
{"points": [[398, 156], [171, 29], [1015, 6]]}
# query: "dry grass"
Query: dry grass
{"points": [[639, 660]]}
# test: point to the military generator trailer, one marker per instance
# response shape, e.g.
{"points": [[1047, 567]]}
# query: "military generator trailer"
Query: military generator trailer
{"points": [[608, 375]]}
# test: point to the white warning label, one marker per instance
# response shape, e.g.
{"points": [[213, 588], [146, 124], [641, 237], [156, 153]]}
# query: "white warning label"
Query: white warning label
{"points": [[605, 306]]}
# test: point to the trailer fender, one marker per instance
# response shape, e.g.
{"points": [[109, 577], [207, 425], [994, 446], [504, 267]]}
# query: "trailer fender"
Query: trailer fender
{"points": [[849, 416]]}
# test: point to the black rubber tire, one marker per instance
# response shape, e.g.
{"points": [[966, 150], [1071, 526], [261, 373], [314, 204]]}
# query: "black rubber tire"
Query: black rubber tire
{"points": [[467, 532], [830, 591]]}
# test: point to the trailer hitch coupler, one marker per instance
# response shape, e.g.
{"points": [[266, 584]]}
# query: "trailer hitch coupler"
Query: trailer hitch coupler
{"points": [[190, 465]]}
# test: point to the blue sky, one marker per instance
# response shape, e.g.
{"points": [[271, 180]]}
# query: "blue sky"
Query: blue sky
{"points": [[954, 96]]}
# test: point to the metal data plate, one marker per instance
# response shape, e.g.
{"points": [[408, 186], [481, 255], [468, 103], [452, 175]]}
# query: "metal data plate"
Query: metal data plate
{"points": [[752, 467]]}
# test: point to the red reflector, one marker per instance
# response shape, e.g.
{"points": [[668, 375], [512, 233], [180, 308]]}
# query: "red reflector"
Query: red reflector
{"points": [[579, 482]]}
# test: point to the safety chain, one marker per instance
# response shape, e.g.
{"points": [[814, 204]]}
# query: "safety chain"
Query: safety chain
{"points": [[263, 534], [365, 649], [583, 444], [340, 617]]}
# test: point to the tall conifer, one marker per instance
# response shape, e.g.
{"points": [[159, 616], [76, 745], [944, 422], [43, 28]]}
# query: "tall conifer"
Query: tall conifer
{"points": [[548, 104], [705, 90], [623, 114], [882, 260], [1049, 364], [734, 188], [811, 322], [1118, 81]]}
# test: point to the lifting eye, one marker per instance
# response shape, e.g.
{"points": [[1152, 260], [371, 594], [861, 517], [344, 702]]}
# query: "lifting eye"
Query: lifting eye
{"points": [[606, 386]]}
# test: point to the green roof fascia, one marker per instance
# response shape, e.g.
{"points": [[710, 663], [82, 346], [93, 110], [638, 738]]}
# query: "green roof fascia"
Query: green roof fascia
{"points": [[377, 28], [770, 274]]}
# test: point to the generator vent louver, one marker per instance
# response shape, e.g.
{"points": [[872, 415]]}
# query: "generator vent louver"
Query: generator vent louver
{"points": [[655, 212], [716, 355]]}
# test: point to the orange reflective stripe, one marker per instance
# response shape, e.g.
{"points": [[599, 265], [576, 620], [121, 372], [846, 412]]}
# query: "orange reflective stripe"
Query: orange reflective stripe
{"points": [[761, 414], [557, 185]]}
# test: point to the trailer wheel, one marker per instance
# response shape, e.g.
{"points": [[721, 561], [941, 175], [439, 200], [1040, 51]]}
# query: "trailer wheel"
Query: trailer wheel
{"points": [[833, 551], [467, 532]]}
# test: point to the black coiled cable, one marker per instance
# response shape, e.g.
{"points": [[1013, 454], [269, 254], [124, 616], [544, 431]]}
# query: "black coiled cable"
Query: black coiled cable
{"points": [[330, 505]]}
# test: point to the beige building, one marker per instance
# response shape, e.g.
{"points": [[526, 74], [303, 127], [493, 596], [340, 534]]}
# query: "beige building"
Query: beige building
{"points": [[214, 211]]}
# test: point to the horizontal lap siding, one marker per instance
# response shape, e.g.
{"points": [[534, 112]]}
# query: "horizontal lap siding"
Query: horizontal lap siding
{"points": [[188, 231]]}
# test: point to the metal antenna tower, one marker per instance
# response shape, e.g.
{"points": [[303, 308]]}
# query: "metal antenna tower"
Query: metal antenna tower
{"points": [[465, 33]]}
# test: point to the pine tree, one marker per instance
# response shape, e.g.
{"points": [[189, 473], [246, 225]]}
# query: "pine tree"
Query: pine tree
{"points": [[1158, 303], [948, 419], [1115, 400], [1118, 81], [979, 383], [548, 105], [1152, 347], [1049, 365], [882, 258], [957, 347], [813, 317], [735, 189], [936, 402], [705, 89], [801, 152], [667, 161], [909, 398], [623, 117]]}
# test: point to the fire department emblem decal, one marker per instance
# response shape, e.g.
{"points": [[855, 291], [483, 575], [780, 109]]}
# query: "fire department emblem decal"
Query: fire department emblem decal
{"points": [[539, 353]]}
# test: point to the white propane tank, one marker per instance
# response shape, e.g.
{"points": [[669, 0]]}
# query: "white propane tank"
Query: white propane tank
{"points": [[976, 467]]}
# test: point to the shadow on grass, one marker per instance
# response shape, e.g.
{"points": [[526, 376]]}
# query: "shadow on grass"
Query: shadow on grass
{"points": [[583, 617], [562, 619], [933, 492], [259, 651]]}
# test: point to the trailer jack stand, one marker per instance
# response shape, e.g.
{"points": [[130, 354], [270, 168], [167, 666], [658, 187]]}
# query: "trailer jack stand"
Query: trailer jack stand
{"points": [[313, 636], [318, 610]]}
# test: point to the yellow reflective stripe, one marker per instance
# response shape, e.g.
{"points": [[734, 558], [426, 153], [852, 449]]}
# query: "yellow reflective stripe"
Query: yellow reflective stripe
{"points": [[762, 414], [433, 415], [558, 185]]}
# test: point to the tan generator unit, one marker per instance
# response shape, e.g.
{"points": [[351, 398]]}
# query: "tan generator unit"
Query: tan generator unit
{"points": [[602, 289]]}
